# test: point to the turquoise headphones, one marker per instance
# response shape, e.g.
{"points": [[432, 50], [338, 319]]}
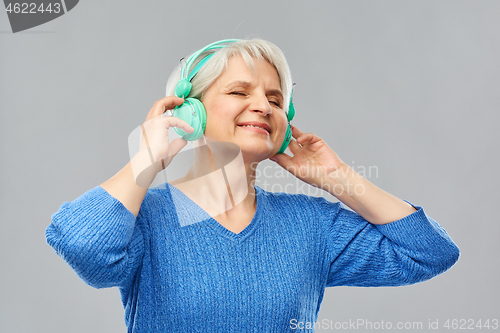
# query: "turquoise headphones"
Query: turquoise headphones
{"points": [[192, 110]]}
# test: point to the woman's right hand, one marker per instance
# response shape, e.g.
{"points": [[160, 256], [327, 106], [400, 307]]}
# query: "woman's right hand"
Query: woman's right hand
{"points": [[154, 133], [156, 152], [130, 184]]}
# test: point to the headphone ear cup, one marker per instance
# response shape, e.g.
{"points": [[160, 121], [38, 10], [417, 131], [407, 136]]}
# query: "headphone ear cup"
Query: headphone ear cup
{"points": [[288, 138], [291, 112], [192, 112], [183, 88]]}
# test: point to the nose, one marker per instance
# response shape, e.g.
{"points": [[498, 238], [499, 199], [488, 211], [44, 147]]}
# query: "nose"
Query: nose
{"points": [[261, 104]]}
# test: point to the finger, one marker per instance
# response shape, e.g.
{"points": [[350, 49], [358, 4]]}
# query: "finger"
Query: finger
{"points": [[164, 104], [280, 158], [284, 160], [294, 146], [174, 148], [295, 131], [179, 123], [305, 138], [297, 134]]}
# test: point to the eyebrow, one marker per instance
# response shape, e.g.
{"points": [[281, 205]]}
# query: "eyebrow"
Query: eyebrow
{"points": [[246, 84]]}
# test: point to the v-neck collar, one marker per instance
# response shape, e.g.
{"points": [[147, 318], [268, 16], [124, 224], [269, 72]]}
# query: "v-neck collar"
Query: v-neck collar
{"points": [[188, 209]]}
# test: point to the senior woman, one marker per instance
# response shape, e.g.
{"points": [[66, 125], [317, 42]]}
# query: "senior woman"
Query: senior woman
{"points": [[254, 261]]}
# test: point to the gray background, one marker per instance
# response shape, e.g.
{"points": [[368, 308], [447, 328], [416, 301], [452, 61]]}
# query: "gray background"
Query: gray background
{"points": [[411, 87]]}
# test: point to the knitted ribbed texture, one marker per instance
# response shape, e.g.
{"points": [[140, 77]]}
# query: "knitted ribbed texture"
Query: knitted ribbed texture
{"points": [[201, 277]]}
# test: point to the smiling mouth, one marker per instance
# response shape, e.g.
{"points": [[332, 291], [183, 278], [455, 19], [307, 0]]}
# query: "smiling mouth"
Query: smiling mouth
{"points": [[255, 128]]}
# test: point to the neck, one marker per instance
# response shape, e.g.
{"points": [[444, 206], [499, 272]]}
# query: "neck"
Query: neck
{"points": [[221, 180]]}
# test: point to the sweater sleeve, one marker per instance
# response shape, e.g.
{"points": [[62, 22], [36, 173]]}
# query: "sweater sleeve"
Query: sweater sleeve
{"points": [[98, 237], [410, 250]]}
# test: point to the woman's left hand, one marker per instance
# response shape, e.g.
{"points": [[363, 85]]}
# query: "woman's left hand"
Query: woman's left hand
{"points": [[312, 161]]}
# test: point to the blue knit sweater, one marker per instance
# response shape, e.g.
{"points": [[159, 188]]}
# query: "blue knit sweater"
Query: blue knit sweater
{"points": [[201, 277]]}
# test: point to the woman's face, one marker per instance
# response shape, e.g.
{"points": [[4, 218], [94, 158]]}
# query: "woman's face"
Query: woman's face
{"points": [[241, 97]]}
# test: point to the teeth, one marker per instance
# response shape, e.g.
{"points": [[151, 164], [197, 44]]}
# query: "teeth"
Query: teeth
{"points": [[253, 126]]}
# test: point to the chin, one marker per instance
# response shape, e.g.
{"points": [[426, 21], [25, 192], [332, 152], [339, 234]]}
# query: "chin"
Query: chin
{"points": [[250, 148], [256, 153]]}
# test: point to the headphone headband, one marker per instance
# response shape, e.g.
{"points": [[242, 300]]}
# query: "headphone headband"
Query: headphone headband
{"points": [[194, 56]]}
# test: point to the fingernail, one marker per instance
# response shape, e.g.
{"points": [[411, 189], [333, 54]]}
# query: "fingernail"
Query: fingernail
{"points": [[274, 159]]}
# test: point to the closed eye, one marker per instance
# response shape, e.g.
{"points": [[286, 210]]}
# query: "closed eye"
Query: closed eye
{"points": [[277, 104], [238, 93]]}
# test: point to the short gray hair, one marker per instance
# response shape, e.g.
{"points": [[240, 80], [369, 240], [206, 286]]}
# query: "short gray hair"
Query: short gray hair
{"points": [[247, 49]]}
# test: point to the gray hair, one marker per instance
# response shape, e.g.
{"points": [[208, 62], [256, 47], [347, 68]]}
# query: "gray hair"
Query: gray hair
{"points": [[215, 66]]}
